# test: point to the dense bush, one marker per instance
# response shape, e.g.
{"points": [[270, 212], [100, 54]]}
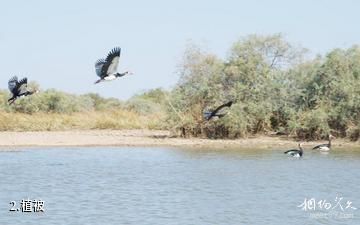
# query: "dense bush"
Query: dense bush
{"points": [[274, 89]]}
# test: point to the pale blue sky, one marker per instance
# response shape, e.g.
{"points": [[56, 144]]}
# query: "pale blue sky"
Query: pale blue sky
{"points": [[57, 42]]}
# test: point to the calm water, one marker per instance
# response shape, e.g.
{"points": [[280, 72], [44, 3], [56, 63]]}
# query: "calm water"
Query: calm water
{"points": [[172, 186]]}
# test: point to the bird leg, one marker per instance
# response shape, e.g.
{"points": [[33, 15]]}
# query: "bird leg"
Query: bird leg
{"points": [[98, 81], [11, 101]]}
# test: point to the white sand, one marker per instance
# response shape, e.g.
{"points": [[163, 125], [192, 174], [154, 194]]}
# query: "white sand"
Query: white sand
{"points": [[146, 138]]}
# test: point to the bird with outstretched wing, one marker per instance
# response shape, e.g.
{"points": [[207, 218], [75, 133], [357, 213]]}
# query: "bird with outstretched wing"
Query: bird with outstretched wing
{"points": [[18, 88], [215, 113], [106, 68]]}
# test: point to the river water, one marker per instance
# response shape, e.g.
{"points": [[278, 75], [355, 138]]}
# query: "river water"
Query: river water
{"points": [[131, 185]]}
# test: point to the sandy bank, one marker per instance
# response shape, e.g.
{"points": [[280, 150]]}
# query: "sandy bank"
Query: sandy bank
{"points": [[145, 138]]}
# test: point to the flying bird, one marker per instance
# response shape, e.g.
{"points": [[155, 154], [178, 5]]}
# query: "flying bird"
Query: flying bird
{"points": [[18, 89], [216, 113], [295, 152], [106, 69], [324, 147]]}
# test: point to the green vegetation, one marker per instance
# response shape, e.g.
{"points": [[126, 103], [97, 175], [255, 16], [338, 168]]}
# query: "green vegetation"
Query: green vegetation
{"points": [[55, 110], [275, 88]]}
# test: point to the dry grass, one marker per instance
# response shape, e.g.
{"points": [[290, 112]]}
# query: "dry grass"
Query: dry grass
{"points": [[117, 119]]}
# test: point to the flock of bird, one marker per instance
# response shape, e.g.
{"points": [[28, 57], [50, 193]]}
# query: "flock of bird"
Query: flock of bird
{"points": [[299, 152], [106, 70]]}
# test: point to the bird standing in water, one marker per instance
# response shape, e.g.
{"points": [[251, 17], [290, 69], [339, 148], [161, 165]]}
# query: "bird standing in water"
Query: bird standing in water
{"points": [[297, 153], [106, 69], [324, 147]]}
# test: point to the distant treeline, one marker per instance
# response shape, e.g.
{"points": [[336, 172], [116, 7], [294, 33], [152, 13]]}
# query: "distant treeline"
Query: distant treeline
{"points": [[275, 89], [56, 110]]}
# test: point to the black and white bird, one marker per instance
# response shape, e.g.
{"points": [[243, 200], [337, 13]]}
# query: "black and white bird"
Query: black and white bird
{"points": [[295, 152], [106, 69], [18, 89], [216, 113], [324, 147]]}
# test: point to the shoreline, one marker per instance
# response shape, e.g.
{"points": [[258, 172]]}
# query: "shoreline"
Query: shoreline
{"points": [[149, 138]]}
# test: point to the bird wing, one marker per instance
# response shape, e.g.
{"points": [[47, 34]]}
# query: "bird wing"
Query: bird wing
{"points": [[320, 146], [98, 66], [111, 62], [228, 104], [13, 82], [22, 86]]}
